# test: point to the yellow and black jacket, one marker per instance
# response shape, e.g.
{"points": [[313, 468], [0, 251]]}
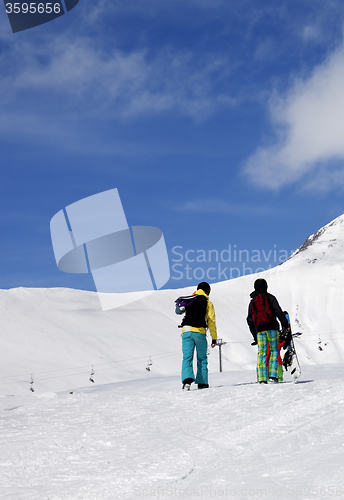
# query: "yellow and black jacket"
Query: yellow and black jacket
{"points": [[200, 315]]}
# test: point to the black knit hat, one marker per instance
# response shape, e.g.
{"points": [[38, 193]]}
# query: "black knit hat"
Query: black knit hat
{"points": [[205, 287], [260, 285]]}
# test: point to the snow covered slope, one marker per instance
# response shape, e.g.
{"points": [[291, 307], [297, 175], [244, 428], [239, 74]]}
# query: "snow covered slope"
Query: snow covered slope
{"points": [[145, 439], [57, 335]]}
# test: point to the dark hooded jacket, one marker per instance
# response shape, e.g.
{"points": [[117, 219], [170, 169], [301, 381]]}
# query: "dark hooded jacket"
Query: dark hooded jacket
{"points": [[275, 309]]}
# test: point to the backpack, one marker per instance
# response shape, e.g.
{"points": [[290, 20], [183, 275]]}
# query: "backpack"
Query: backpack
{"points": [[195, 310], [261, 311]]}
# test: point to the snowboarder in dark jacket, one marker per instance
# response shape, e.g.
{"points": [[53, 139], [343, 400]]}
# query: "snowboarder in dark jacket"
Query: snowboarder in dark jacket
{"points": [[263, 312]]}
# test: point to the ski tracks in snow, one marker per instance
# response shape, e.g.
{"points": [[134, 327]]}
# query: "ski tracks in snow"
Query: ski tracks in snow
{"points": [[144, 438]]}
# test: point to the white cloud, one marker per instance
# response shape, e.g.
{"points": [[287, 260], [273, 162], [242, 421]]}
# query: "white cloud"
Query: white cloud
{"points": [[309, 123]]}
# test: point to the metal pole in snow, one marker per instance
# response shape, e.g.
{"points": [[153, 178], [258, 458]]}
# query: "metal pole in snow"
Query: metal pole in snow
{"points": [[220, 343]]}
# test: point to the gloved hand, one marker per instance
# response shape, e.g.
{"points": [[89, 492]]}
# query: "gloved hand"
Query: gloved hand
{"points": [[287, 339], [213, 343]]}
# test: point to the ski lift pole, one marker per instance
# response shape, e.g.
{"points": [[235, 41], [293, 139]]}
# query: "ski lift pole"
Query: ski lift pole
{"points": [[91, 379], [220, 343], [149, 364]]}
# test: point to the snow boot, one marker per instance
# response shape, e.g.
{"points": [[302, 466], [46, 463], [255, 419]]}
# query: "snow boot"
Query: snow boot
{"points": [[187, 384], [203, 386]]}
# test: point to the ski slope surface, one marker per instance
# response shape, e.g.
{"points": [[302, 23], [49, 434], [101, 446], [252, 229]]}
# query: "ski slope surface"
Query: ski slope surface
{"points": [[132, 433], [148, 439]]}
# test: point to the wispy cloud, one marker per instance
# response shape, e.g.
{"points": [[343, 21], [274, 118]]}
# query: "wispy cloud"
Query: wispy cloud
{"points": [[217, 206], [311, 32], [55, 89], [309, 123], [98, 80]]}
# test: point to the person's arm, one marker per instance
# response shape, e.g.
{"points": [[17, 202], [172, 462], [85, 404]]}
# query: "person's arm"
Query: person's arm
{"points": [[211, 320], [250, 323], [276, 309]]}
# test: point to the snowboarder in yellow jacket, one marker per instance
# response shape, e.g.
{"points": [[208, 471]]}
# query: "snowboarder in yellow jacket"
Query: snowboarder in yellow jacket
{"points": [[199, 316]]}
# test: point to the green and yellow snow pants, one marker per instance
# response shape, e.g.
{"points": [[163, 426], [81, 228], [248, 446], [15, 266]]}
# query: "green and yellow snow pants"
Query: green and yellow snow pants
{"points": [[268, 337]]}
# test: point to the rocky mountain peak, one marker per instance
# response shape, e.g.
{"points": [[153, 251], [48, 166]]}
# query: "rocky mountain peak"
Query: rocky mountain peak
{"points": [[323, 241]]}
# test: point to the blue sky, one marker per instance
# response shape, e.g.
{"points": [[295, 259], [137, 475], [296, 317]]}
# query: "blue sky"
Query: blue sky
{"points": [[220, 122]]}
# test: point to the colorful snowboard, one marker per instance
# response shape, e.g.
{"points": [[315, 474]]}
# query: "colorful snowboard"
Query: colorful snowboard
{"points": [[291, 361]]}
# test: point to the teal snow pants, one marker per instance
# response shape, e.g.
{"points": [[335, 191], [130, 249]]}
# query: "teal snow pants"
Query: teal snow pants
{"points": [[190, 341]]}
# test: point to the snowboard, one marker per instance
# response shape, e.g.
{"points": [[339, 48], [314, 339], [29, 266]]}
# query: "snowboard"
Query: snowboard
{"points": [[290, 359]]}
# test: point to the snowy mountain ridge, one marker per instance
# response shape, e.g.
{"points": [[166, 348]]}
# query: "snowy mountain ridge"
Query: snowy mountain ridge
{"points": [[59, 336], [328, 237]]}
